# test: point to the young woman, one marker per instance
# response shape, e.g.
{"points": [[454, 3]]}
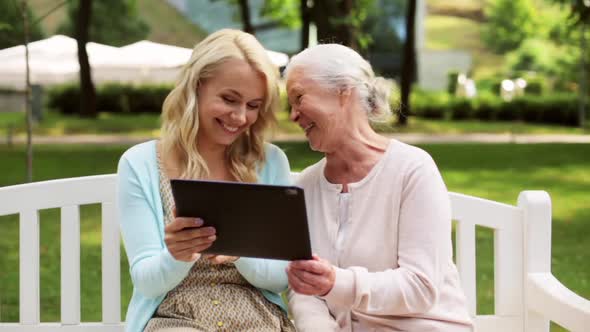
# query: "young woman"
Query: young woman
{"points": [[213, 124]]}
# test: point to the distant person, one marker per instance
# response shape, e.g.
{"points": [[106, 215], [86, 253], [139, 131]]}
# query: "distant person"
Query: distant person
{"points": [[379, 211], [213, 124]]}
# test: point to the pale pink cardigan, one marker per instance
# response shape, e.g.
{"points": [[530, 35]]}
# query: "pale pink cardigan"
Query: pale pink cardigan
{"points": [[395, 270]]}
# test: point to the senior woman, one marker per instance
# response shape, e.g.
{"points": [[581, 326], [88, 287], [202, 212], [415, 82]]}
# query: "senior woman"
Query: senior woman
{"points": [[380, 218]]}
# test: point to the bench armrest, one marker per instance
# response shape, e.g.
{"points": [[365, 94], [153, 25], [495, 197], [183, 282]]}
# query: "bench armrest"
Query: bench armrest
{"points": [[550, 298]]}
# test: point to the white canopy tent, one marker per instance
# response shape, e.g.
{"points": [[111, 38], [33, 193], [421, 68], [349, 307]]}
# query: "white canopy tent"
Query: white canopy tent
{"points": [[51, 61], [146, 61], [54, 60], [143, 62]]}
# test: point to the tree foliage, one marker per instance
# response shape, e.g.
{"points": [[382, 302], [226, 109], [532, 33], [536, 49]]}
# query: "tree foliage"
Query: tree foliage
{"points": [[579, 10], [11, 25], [340, 21], [509, 23], [535, 55], [285, 12], [114, 22]]}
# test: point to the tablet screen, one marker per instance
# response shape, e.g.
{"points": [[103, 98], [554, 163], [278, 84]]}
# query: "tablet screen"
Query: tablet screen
{"points": [[251, 220]]}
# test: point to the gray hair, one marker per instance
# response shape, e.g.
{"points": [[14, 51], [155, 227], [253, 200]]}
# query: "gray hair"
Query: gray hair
{"points": [[336, 66]]}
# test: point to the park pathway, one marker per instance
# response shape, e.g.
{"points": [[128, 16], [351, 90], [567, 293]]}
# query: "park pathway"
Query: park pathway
{"points": [[410, 138]]}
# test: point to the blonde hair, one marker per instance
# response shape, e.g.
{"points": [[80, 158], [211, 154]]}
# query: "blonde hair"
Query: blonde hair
{"points": [[180, 113], [336, 66]]}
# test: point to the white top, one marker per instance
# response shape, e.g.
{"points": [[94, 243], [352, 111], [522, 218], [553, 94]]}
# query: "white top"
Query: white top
{"points": [[393, 255], [343, 221]]}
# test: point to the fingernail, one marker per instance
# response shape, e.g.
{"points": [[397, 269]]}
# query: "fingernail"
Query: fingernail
{"points": [[212, 237], [199, 222]]}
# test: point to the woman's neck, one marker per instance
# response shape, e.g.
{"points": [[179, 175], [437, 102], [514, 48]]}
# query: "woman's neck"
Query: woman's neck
{"points": [[352, 160], [215, 158]]}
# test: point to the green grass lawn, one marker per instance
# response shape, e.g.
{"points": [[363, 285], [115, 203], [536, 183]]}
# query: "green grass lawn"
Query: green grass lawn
{"points": [[55, 124], [494, 171]]}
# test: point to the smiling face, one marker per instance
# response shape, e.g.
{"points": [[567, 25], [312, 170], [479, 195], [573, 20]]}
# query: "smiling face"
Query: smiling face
{"points": [[229, 102], [318, 110]]}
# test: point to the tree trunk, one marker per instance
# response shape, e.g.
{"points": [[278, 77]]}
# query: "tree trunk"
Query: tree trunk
{"points": [[347, 31], [245, 13], [409, 63], [88, 93], [305, 22], [29, 111], [325, 15], [583, 78]]}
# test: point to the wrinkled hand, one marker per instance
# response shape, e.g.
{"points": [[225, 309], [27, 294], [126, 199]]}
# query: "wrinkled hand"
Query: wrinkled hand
{"points": [[311, 277], [185, 238], [220, 259]]}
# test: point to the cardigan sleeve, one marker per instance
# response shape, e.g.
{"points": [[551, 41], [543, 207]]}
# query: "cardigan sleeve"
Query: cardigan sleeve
{"points": [[423, 250], [269, 274], [310, 313], [154, 271]]}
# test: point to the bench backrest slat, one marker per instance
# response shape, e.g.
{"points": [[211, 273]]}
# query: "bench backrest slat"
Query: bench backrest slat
{"points": [[506, 221], [29, 304], [465, 253], [70, 265], [111, 281]]}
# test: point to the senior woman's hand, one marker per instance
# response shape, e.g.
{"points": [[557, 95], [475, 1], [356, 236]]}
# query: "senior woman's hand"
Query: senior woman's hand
{"points": [[311, 277], [185, 238]]}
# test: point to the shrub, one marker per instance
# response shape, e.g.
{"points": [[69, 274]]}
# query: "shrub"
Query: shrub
{"points": [[486, 107], [65, 98], [508, 111], [430, 105], [536, 86], [461, 108], [550, 109], [111, 97], [147, 98], [559, 109]]}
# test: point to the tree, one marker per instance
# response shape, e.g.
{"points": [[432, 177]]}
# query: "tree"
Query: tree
{"points": [[245, 14], [580, 15], [305, 23], [509, 22], [341, 22], [409, 63], [88, 93], [279, 13], [114, 22], [25, 11], [11, 24], [337, 21], [579, 10]]}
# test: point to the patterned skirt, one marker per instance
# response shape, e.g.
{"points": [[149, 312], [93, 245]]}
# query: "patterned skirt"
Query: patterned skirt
{"points": [[213, 297]]}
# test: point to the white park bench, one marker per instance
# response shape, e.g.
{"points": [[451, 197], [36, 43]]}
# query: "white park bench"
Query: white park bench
{"points": [[526, 295]]}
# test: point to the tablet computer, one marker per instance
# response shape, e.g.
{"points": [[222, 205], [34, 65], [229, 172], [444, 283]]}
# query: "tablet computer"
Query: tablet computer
{"points": [[251, 220]]}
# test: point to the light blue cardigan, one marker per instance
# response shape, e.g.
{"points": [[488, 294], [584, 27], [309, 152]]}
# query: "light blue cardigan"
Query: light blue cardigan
{"points": [[154, 271]]}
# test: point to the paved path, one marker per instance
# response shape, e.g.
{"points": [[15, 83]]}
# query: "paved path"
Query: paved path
{"points": [[412, 138]]}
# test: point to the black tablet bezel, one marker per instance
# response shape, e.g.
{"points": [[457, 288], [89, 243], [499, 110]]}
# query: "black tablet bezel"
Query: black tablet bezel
{"points": [[251, 220]]}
